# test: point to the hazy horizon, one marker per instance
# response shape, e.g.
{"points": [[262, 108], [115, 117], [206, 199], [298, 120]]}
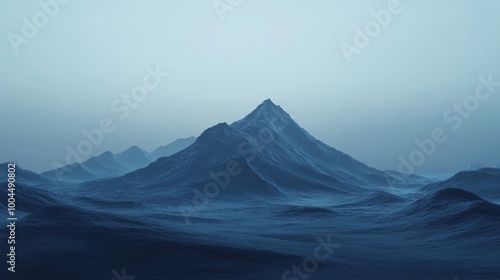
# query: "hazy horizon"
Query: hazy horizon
{"points": [[68, 76]]}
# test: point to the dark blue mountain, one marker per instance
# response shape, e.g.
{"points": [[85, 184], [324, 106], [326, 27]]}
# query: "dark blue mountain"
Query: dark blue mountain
{"points": [[133, 158], [108, 165], [296, 148], [277, 158], [259, 199], [32, 191], [455, 214], [102, 166], [484, 183]]}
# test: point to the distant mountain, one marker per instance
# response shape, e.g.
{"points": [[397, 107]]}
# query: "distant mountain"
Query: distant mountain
{"points": [[497, 166], [108, 165], [484, 183], [274, 154], [31, 189], [475, 166], [259, 194], [134, 158], [24, 176], [438, 174], [452, 208], [172, 148], [102, 166]]}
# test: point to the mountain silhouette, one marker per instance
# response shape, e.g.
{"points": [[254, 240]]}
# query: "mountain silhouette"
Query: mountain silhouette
{"points": [[26, 177], [454, 210], [274, 153], [248, 200], [108, 165], [484, 183], [32, 189], [133, 158]]}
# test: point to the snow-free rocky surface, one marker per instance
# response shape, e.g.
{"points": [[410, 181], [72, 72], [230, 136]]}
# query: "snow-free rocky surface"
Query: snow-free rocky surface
{"points": [[252, 200]]}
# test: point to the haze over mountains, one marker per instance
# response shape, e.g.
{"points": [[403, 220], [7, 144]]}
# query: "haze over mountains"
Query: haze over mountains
{"points": [[252, 200], [109, 165], [275, 154]]}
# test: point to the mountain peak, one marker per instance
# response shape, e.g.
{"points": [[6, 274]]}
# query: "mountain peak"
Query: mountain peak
{"points": [[268, 104], [266, 112], [106, 154], [133, 149]]}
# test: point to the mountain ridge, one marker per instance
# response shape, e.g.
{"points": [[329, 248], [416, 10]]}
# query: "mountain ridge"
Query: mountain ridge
{"points": [[273, 145], [108, 164]]}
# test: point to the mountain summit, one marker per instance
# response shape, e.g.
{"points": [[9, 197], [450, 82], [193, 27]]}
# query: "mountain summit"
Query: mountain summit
{"points": [[275, 156], [268, 114]]}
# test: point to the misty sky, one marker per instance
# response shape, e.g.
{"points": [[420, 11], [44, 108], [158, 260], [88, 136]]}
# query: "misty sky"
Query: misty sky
{"points": [[394, 90]]}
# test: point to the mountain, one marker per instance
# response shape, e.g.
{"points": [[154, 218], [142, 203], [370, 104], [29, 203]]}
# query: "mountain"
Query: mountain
{"points": [[25, 176], [274, 154], [103, 166], [32, 190], [497, 166], [288, 141], [452, 207], [108, 165], [134, 158], [459, 213], [249, 200], [172, 148], [484, 183]]}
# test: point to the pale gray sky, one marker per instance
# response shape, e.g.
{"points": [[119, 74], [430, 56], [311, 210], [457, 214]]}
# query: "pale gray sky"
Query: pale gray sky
{"points": [[89, 53]]}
